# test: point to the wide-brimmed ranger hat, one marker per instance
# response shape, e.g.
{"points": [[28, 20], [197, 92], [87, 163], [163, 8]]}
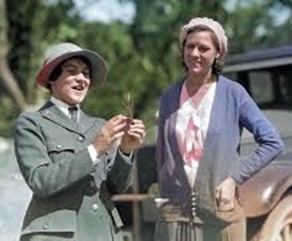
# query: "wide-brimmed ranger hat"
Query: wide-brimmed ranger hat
{"points": [[58, 53]]}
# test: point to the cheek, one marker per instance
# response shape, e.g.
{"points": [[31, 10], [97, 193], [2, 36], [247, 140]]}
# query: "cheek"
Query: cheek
{"points": [[88, 83], [210, 58]]}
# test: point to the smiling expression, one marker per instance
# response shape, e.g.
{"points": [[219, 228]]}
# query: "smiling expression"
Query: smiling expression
{"points": [[199, 52], [73, 83]]}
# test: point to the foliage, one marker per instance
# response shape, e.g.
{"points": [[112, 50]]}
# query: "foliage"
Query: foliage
{"points": [[143, 57]]}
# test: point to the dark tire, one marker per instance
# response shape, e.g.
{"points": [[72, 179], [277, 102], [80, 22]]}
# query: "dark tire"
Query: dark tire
{"points": [[278, 225]]}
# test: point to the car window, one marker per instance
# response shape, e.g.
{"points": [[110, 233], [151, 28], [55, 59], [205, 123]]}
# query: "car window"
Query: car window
{"points": [[261, 86]]}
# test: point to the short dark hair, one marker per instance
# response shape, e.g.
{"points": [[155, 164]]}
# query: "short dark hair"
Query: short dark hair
{"points": [[57, 71]]}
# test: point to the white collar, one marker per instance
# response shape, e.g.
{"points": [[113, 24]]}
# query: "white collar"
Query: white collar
{"points": [[62, 105]]}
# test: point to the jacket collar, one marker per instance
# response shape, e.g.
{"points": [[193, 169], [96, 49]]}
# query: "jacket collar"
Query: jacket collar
{"points": [[51, 112]]}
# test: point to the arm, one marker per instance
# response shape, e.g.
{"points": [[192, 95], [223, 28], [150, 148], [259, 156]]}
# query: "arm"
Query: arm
{"points": [[44, 176], [120, 174], [269, 142], [132, 133], [269, 146]]}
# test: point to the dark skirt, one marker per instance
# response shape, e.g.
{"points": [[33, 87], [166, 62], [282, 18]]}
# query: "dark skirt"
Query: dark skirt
{"points": [[189, 231]]}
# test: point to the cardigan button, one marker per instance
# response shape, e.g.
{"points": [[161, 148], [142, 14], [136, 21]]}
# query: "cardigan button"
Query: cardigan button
{"points": [[80, 138], [59, 146]]}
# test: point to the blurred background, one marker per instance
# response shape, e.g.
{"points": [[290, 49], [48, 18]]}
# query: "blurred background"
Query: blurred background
{"points": [[138, 39]]}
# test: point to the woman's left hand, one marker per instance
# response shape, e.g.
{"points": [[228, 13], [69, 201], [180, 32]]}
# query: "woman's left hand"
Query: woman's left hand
{"points": [[225, 194], [133, 137]]}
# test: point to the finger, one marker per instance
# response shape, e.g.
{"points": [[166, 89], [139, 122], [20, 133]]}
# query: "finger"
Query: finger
{"points": [[117, 135], [136, 122], [118, 119], [137, 134], [137, 126], [116, 127], [218, 194]]}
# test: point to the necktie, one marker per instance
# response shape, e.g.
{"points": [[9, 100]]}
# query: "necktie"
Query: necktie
{"points": [[73, 111]]}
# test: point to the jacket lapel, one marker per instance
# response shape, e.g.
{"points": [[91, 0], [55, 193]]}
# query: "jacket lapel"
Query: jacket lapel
{"points": [[86, 122], [54, 114]]}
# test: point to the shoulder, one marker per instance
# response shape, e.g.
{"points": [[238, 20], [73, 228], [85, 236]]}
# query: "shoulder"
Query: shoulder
{"points": [[28, 117], [172, 91], [27, 124], [232, 88], [230, 84]]}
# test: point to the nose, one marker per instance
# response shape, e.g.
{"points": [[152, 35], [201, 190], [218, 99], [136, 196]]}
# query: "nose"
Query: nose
{"points": [[195, 51], [82, 79]]}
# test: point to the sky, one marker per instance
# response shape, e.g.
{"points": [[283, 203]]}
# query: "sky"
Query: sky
{"points": [[106, 10], [109, 10]]}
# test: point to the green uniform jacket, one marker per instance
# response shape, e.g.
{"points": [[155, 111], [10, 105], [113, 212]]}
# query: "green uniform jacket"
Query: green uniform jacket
{"points": [[70, 194]]}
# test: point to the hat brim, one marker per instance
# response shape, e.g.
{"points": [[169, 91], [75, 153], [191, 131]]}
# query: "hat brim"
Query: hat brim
{"points": [[98, 67]]}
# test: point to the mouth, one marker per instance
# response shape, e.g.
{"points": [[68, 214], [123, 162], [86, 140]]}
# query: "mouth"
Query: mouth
{"points": [[78, 87]]}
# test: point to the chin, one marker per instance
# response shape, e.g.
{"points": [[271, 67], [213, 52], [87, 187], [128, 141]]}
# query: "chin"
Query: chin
{"points": [[76, 101], [195, 71]]}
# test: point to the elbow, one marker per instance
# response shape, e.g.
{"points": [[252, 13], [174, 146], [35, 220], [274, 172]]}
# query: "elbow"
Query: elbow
{"points": [[281, 147], [278, 146], [40, 190]]}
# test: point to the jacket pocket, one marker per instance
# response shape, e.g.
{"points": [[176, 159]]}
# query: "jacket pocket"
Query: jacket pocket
{"points": [[58, 221], [58, 150], [233, 215]]}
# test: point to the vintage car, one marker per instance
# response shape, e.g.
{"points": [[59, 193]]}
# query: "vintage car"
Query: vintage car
{"points": [[267, 196]]}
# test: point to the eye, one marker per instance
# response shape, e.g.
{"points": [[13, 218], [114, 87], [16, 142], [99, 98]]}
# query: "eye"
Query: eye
{"points": [[203, 48], [86, 73], [71, 70], [190, 46]]}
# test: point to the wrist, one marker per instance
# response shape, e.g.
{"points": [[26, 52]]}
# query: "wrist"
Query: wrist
{"points": [[125, 152]]}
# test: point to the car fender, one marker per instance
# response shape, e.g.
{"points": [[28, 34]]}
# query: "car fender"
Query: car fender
{"points": [[259, 194]]}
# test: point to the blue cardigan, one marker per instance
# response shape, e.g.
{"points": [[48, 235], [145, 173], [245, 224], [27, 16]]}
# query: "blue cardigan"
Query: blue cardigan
{"points": [[232, 110]]}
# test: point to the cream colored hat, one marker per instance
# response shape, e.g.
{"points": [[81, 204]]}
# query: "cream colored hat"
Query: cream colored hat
{"points": [[215, 26], [60, 52]]}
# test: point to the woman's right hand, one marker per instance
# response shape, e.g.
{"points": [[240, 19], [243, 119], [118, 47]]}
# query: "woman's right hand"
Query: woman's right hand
{"points": [[110, 132], [225, 194]]}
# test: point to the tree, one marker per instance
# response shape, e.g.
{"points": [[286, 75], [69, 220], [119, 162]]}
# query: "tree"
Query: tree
{"points": [[143, 56], [6, 74]]}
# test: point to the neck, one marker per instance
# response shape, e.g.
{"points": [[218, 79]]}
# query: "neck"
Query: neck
{"points": [[195, 82]]}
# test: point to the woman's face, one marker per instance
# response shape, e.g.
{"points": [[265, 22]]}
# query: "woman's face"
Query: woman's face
{"points": [[73, 83], [199, 52]]}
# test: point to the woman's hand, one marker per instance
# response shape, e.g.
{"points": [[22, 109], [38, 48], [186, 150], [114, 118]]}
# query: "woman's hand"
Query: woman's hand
{"points": [[225, 194], [133, 137], [111, 132]]}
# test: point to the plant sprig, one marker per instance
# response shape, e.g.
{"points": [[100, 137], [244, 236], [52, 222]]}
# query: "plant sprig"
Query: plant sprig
{"points": [[128, 104]]}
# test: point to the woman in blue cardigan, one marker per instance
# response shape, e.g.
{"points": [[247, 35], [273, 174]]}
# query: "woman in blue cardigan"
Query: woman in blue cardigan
{"points": [[201, 118]]}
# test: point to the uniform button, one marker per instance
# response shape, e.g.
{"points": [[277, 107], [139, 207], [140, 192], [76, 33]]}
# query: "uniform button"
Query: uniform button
{"points": [[45, 227], [59, 146], [91, 184], [94, 207], [80, 138]]}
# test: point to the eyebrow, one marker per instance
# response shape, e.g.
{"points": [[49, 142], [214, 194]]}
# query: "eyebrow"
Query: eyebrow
{"points": [[74, 65]]}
